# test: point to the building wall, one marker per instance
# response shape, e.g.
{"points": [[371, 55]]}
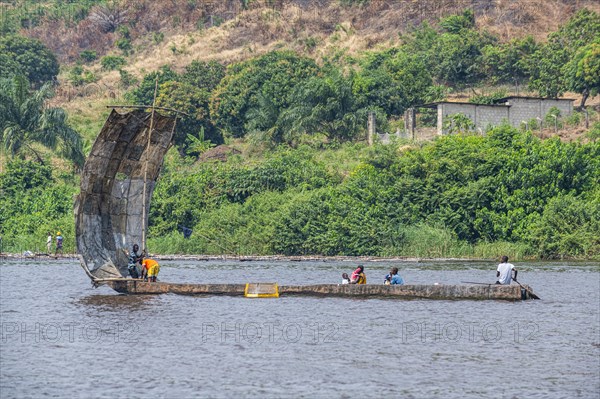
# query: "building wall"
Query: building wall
{"points": [[515, 111], [482, 115]]}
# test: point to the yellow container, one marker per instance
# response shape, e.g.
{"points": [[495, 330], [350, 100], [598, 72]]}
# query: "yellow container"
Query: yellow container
{"points": [[261, 290]]}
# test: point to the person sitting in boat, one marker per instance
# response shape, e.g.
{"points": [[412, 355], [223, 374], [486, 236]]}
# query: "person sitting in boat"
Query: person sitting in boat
{"points": [[135, 261], [505, 270], [150, 269], [358, 276], [393, 278], [345, 278]]}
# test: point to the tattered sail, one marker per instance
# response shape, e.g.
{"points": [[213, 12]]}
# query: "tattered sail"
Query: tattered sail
{"points": [[109, 211]]}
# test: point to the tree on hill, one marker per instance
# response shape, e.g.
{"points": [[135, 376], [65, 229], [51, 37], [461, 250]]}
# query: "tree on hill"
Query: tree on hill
{"points": [[551, 74], [25, 120], [144, 93], [35, 60], [582, 72], [325, 105], [506, 63], [203, 75], [392, 81], [193, 101], [454, 54], [273, 75]]}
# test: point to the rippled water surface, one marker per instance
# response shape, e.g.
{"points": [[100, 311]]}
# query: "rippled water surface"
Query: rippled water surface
{"points": [[63, 338]]}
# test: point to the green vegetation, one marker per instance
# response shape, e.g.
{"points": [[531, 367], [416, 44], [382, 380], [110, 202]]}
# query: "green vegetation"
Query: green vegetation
{"points": [[271, 77], [458, 196], [26, 120], [34, 202], [306, 183], [88, 55], [570, 59], [112, 62], [79, 76], [29, 14], [34, 60]]}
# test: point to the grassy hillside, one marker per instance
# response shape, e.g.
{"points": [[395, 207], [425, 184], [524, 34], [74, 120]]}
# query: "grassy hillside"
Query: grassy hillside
{"points": [[177, 33]]}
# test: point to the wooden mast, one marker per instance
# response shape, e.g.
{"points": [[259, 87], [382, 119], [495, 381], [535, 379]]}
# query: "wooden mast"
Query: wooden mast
{"points": [[144, 215]]}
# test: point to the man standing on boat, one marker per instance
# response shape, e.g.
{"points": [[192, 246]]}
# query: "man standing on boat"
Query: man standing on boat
{"points": [[135, 259], [505, 272]]}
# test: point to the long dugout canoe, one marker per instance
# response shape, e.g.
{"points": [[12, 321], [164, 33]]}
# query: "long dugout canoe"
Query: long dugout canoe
{"points": [[411, 291]]}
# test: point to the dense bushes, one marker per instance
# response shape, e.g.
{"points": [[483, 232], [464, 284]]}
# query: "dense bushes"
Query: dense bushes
{"points": [[468, 191], [32, 203], [457, 196]]}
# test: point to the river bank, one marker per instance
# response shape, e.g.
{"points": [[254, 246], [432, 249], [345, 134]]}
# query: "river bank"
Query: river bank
{"points": [[284, 258]]}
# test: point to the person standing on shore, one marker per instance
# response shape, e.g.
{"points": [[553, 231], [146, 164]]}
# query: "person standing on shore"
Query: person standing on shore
{"points": [[49, 244], [505, 270], [59, 244]]}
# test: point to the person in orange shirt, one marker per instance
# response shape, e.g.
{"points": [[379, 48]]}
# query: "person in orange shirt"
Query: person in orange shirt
{"points": [[150, 269]]}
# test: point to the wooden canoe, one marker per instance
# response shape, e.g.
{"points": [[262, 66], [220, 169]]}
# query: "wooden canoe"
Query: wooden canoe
{"points": [[411, 291]]}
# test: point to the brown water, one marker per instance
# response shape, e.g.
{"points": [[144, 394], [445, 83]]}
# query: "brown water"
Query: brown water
{"points": [[62, 338]]}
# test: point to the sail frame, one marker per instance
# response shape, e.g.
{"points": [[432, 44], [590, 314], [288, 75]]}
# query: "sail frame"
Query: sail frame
{"points": [[109, 208]]}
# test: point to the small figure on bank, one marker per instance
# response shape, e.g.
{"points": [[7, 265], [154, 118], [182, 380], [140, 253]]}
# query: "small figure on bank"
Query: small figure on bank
{"points": [[59, 244], [49, 244], [345, 278], [135, 260], [358, 276], [150, 269], [505, 270], [393, 278]]}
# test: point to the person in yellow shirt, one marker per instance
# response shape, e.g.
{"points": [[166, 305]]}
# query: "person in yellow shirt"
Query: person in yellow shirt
{"points": [[150, 269], [358, 276]]}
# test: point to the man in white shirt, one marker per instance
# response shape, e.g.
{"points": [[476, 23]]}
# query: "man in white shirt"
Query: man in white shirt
{"points": [[49, 243], [505, 272]]}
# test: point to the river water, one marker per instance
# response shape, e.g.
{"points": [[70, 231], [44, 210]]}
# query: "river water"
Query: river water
{"points": [[62, 338]]}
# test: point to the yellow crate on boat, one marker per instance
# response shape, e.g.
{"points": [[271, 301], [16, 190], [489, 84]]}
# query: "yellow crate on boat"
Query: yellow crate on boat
{"points": [[261, 290]]}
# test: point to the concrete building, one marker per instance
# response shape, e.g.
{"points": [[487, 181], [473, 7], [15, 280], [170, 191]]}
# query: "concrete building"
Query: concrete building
{"points": [[514, 110]]}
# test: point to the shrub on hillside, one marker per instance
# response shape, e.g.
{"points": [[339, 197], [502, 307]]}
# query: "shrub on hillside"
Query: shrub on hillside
{"points": [[88, 55], [112, 62]]}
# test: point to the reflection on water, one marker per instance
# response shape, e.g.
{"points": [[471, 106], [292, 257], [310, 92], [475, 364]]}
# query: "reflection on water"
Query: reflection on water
{"points": [[117, 302], [62, 338]]}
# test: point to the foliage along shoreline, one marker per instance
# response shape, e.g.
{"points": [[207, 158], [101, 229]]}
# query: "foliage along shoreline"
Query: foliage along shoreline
{"points": [[307, 184], [460, 196]]}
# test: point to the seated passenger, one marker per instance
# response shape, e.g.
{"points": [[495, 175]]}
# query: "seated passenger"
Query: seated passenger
{"points": [[393, 278], [358, 276], [506, 272], [345, 278]]}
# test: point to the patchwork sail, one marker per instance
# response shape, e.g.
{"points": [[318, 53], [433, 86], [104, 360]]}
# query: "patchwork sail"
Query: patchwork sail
{"points": [[118, 179]]}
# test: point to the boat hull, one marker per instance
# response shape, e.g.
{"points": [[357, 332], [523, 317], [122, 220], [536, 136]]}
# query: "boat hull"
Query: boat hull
{"points": [[444, 292]]}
